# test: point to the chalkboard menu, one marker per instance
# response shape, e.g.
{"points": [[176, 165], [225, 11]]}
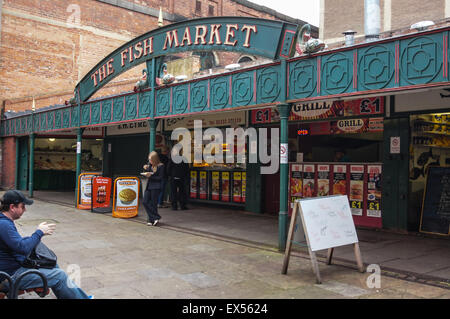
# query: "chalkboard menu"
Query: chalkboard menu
{"points": [[435, 216]]}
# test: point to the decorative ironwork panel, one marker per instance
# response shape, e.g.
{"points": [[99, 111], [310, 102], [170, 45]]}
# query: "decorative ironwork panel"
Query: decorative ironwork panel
{"points": [[180, 99], [51, 120], [421, 60], [36, 122], [106, 111], [162, 102], [58, 120], [66, 117], [86, 114], [302, 79], [268, 85], [337, 73], [74, 115], [29, 124], [242, 88], [118, 109], [199, 96], [376, 67], [145, 104], [219, 92], [130, 107], [95, 113], [43, 121]]}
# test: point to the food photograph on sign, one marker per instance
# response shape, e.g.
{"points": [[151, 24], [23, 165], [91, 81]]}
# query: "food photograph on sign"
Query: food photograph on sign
{"points": [[127, 191]]}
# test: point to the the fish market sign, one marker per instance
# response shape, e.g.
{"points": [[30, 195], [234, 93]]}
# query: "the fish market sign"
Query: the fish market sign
{"points": [[268, 38]]}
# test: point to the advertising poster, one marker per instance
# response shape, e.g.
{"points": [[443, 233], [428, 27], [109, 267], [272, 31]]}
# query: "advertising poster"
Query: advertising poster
{"points": [[126, 197], [374, 191], [237, 187], [225, 186], [339, 180], [193, 185], [308, 181], [203, 185], [101, 192], [244, 186], [215, 187], [356, 189], [323, 180], [85, 190]]}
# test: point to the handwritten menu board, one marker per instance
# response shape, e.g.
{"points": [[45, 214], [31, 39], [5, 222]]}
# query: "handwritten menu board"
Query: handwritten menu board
{"points": [[435, 217], [328, 221]]}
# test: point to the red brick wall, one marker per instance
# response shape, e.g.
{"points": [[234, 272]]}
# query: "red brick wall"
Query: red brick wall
{"points": [[9, 163]]}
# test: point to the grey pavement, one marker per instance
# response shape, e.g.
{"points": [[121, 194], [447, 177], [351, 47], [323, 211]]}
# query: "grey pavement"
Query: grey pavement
{"points": [[217, 253]]}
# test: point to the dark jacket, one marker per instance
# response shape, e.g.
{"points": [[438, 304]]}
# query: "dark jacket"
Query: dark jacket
{"points": [[13, 247], [180, 170], [154, 181]]}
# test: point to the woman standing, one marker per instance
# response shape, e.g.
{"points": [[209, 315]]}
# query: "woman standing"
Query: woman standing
{"points": [[155, 172]]}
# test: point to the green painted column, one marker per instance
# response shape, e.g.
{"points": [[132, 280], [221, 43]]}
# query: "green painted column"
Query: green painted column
{"points": [[152, 124], [284, 110], [31, 169], [78, 169], [16, 182]]}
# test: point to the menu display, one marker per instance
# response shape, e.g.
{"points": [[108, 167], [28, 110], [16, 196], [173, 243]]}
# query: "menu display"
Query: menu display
{"points": [[193, 185], [225, 186], [237, 187], [101, 192], [244, 186], [85, 190], [360, 182], [308, 181], [203, 185], [323, 180], [126, 199], [215, 187], [374, 191], [356, 189]]}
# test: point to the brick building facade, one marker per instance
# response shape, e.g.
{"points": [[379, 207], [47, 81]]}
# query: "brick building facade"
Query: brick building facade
{"points": [[338, 16], [47, 46]]}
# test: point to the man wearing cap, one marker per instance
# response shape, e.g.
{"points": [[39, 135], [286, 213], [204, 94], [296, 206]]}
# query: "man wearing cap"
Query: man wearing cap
{"points": [[14, 248]]}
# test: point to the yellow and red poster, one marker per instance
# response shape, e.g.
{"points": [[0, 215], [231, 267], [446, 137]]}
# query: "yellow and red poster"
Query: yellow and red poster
{"points": [[84, 195], [126, 197], [323, 180], [237, 187], [225, 186], [193, 185], [244, 186], [203, 185], [101, 192], [215, 187], [356, 189]]}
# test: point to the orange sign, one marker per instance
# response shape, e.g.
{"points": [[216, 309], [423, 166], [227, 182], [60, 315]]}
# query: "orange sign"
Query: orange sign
{"points": [[126, 197], [101, 192], [84, 191]]}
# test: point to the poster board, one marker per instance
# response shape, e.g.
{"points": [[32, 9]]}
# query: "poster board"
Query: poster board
{"points": [[435, 215], [327, 223], [101, 194], [84, 191], [126, 198]]}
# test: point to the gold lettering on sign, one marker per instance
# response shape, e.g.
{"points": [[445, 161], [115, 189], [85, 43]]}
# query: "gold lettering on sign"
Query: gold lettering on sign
{"points": [[230, 34], [249, 29], [215, 34], [186, 37], [199, 35], [138, 49], [171, 36], [148, 46]]}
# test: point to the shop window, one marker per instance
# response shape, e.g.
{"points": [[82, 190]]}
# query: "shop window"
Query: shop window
{"points": [[207, 60]]}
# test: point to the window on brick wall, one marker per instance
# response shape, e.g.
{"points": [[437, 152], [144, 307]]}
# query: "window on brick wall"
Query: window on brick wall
{"points": [[198, 7], [210, 10]]}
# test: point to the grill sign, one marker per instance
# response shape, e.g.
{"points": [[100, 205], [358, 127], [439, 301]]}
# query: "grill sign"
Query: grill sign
{"points": [[350, 125]]}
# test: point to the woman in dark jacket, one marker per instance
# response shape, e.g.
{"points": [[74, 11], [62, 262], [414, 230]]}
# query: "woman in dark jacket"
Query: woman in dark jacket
{"points": [[155, 172]]}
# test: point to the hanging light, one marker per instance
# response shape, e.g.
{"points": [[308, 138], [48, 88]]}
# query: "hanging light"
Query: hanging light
{"points": [[51, 139]]}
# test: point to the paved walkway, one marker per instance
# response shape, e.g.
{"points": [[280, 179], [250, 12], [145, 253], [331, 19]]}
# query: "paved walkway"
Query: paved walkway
{"points": [[124, 258], [414, 255]]}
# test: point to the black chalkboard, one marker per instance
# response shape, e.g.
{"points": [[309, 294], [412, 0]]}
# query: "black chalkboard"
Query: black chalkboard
{"points": [[435, 216]]}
